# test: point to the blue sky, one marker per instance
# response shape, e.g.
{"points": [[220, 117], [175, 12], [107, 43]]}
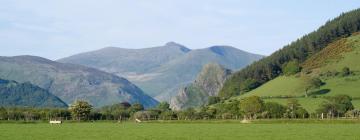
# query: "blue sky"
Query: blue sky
{"points": [[59, 28]]}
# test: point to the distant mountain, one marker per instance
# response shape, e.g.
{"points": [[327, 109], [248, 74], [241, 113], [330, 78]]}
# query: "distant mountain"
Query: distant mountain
{"points": [[128, 61], [161, 71], [13, 94], [208, 83], [72, 82]]}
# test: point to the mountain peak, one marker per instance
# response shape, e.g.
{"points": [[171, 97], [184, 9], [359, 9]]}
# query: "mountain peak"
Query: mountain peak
{"points": [[171, 43], [174, 44], [220, 50]]}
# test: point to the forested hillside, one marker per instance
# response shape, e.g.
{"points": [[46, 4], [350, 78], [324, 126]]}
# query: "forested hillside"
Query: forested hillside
{"points": [[298, 51], [13, 94]]}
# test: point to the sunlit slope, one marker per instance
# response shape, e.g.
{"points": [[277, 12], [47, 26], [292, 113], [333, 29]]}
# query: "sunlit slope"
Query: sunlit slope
{"points": [[327, 65]]}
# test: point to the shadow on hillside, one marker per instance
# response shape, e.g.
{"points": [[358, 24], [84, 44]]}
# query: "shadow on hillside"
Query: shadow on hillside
{"points": [[320, 92]]}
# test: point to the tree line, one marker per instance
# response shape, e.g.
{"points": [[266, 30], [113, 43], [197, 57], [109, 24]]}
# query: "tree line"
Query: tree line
{"points": [[252, 107]]}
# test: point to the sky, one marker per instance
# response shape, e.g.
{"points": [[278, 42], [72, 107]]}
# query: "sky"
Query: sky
{"points": [[59, 28]]}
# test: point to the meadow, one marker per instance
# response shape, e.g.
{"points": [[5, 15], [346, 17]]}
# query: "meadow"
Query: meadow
{"points": [[200, 130]]}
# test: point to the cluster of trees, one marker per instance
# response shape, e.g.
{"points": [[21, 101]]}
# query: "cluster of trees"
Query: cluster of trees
{"points": [[270, 67], [30, 114], [337, 106], [252, 107]]}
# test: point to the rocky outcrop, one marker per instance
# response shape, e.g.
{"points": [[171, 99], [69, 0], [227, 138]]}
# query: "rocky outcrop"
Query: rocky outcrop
{"points": [[208, 83]]}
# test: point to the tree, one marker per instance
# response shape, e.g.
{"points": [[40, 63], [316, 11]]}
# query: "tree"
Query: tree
{"points": [[346, 71], [274, 110], [136, 107], [167, 115], [142, 115], [311, 83], [120, 112], [251, 106], [187, 114], [231, 108], [337, 105], [291, 68], [3, 113], [248, 85], [213, 100], [294, 109], [163, 106], [80, 110]]}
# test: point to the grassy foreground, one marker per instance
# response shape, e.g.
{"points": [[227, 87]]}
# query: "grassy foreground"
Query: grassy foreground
{"points": [[182, 131]]}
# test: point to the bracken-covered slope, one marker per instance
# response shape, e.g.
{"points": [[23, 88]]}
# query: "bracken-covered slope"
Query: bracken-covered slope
{"points": [[13, 94], [161, 71], [208, 83], [300, 50], [72, 82], [328, 65]]}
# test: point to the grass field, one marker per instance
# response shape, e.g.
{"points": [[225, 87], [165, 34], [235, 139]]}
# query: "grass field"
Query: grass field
{"points": [[280, 86], [180, 131]]}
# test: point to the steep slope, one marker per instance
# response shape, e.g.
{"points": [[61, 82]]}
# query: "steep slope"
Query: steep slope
{"points": [[161, 71], [328, 65], [300, 50], [72, 82], [13, 94], [208, 83]]}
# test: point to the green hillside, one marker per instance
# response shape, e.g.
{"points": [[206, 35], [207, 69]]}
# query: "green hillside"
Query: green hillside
{"points": [[299, 51], [14, 94], [327, 65]]}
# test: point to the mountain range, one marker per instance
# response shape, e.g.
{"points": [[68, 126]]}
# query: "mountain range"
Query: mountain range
{"points": [[161, 71]]}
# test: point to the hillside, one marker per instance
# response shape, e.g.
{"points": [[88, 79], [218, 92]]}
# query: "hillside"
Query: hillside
{"points": [[208, 83], [328, 65], [13, 94], [300, 50], [161, 71], [72, 82]]}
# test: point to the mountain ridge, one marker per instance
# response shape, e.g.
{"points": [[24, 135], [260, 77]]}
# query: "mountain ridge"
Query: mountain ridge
{"points": [[72, 82], [161, 71]]}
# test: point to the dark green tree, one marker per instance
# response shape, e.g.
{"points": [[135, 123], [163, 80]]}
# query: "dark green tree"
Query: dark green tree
{"points": [[3, 113], [346, 71], [136, 107], [213, 100], [311, 84], [163, 106], [80, 110], [251, 106], [337, 105], [274, 110], [291, 68]]}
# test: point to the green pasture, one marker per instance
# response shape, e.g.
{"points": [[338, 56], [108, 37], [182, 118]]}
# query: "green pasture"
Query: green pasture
{"points": [[180, 131]]}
